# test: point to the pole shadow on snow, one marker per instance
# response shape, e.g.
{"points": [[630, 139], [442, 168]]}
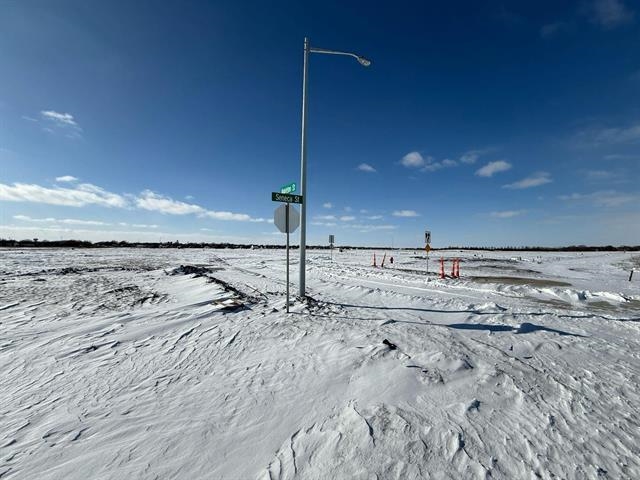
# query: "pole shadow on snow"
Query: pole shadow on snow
{"points": [[412, 309], [524, 328]]}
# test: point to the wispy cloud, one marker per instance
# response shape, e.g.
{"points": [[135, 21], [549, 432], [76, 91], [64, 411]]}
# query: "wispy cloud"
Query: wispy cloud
{"points": [[493, 167], [347, 218], [365, 167], [79, 196], [535, 180], [364, 228], [470, 157], [608, 14], [374, 217], [603, 175], [325, 217], [507, 213], [405, 213], [66, 221], [604, 198], [621, 156], [550, 30], [62, 122], [327, 205], [599, 136], [66, 179], [323, 224]]}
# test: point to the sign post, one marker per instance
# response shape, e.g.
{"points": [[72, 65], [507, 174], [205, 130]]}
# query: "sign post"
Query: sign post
{"points": [[287, 218], [427, 241], [331, 240]]}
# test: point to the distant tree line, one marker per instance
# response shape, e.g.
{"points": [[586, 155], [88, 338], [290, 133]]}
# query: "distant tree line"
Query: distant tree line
{"points": [[124, 244]]}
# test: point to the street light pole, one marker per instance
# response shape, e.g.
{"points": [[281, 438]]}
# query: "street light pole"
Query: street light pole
{"points": [[303, 153], [303, 173]]}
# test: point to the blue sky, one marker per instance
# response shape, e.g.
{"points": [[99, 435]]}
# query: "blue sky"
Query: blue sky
{"points": [[488, 123]]}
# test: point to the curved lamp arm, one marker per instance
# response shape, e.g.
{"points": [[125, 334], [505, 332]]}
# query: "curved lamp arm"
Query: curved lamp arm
{"points": [[363, 61]]}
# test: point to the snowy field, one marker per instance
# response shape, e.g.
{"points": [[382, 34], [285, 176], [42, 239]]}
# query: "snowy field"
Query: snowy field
{"points": [[118, 364]]}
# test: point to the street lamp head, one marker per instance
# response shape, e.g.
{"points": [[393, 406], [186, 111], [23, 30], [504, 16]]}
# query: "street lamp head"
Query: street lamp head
{"points": [[363, 61]]}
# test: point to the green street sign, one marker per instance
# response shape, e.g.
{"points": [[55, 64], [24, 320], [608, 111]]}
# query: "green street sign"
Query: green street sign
{"points": [[290, 188], [285, 197]]}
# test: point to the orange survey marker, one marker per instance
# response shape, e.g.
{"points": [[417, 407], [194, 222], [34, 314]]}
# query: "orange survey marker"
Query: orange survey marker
{"points": [[457, 268], [453, 268], [374, 260], [441, 267]]}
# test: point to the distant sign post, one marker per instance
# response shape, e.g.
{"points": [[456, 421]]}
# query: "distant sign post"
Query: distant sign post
{"points": [[287, 219], [331, 241], [427, 248]]}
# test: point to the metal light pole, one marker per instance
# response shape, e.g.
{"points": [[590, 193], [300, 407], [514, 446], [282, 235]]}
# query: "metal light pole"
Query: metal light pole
{"points": [[303, 153]]}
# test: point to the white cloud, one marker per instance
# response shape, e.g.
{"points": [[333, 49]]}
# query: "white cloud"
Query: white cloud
{"points": [[412, 160], [152, 201], [507, 213], [347, 218], [88, 194], [428, 163], [327, 205], [238, 217], [324, 224], [63, 122], [81, 195], [137, 225], [493, 167], [66, 178], [54, 233], [406, 213], [374, 217], [535, 180], [65, 118], [325, 217], [66, 221], [365, 167], [609, 14]]}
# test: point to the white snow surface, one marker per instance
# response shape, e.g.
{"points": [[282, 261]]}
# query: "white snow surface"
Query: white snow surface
{"points": [[117, 363]]}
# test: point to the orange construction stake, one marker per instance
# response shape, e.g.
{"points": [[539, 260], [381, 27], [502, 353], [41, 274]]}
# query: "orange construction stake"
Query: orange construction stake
{"points": [[457, 268], [374, 260], [441, 267]]}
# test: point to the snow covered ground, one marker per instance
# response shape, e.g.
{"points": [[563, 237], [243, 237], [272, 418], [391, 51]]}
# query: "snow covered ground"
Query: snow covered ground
{"points": [[120, 364]]}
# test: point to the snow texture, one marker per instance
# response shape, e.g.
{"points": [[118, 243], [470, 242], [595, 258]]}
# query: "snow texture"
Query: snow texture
{"points": [[134, 363]]}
